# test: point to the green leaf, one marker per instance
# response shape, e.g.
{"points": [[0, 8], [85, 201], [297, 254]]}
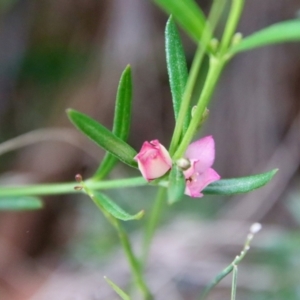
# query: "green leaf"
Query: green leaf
{"points": [[176, 65], [176, 185], [188, 14], [117, 289], [114, 209], [20, 203], [288, 31], [103, 137], [122, 120], [239, 185]]}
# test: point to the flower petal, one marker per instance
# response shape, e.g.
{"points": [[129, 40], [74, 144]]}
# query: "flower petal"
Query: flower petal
{"points": [[163, 152], [191, 170], [199, 181], [202, 150]]}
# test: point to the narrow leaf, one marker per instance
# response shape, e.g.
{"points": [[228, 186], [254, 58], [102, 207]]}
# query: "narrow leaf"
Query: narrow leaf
{"points": [[288, 31], [114, 209], [117, 289], [239, 185], [176, 185], [103, 137], [122, 120], [176, 64], [188, 14], [122, 116], [20, 203]]}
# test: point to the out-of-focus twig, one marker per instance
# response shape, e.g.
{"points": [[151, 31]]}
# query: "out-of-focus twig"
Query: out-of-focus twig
{"points": [[64, 135], [253, 229]]}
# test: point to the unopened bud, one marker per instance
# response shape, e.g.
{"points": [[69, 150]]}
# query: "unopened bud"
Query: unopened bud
{"points": [[183, 163], [153, 160], [214, 43], [236, 39], [193, 111], [204, 115]]}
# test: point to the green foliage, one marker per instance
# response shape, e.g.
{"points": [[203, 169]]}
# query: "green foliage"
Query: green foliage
{"points": [[114, 209], [103, 137], [176, 185], [239, 185], [188, 14], [176, 65], [15, 203], [288, 31], [122, 120]]}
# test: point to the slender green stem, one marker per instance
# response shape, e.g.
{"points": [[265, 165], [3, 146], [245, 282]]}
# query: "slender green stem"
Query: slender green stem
{"points": [[234, 281], [253, 230], [132, 260], [216, 65], [216, 280], [134, 263], [153, 221], [215, 13], [213, 18], [215, 68], [224, 273], [232, 21], [68, 188]]}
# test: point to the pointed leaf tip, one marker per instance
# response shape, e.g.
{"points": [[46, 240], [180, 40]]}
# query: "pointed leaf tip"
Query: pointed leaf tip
{"points": [[176, 64], [283, 32], [239, 185], [188, 14], [122, 120]]}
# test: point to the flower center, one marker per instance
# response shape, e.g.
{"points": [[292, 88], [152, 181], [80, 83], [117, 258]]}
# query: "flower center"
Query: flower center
{"points": [[192, 178]]}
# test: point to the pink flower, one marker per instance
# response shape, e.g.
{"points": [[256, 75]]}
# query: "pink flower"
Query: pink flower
{"points": [[153, 160], [201, 155]]}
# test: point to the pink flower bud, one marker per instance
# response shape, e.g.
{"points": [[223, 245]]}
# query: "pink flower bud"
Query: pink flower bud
{"points": [[153, 160]]}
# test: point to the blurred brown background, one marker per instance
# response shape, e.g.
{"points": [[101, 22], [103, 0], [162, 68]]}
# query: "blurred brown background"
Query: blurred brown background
{"points": [[59, 54]]}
